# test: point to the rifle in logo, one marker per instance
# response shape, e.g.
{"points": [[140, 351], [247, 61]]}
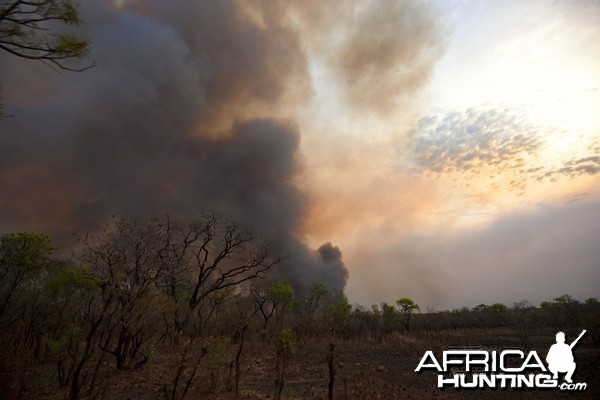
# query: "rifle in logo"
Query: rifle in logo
{"points": [[560, 357]]}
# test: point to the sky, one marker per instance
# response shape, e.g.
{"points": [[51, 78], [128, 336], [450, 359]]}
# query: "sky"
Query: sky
{"points": [[447, 151]]}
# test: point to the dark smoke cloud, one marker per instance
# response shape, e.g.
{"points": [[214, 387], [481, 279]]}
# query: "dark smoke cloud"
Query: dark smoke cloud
{"points": [[332, 257], [165, 123]]}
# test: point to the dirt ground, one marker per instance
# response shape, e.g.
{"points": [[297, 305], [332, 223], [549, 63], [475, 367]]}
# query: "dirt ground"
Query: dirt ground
{"points": [[365, 369]]}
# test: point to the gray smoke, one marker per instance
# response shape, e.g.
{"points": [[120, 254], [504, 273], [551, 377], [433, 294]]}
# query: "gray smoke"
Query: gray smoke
{"points": [[161, 125]]}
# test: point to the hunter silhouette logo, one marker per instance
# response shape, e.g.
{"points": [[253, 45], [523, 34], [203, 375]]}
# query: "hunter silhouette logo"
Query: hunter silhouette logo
{"points": [[560, 357], [509, 368]]}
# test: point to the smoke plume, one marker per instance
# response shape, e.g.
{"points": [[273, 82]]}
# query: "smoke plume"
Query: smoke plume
{"points": [[388, 53], [183, 112]]}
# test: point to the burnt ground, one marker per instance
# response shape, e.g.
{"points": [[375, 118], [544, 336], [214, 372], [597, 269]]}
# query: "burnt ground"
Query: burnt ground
{"points": [[365, 369]]}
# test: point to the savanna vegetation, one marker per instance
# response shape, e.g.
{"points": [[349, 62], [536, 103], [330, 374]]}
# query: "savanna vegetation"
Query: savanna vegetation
{"points": [[173, 310]]}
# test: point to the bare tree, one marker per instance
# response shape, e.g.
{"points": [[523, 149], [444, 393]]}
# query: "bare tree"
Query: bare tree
{"points": [[125, 262], [226, 254], [163, 270]]}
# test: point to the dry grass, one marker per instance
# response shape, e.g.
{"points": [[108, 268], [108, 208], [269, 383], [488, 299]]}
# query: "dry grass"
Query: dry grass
{"points": [[366, 369]]}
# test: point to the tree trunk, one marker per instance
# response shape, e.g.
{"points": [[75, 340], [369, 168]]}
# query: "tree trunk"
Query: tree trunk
{"points": [[330, 365], [238, 358]]}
